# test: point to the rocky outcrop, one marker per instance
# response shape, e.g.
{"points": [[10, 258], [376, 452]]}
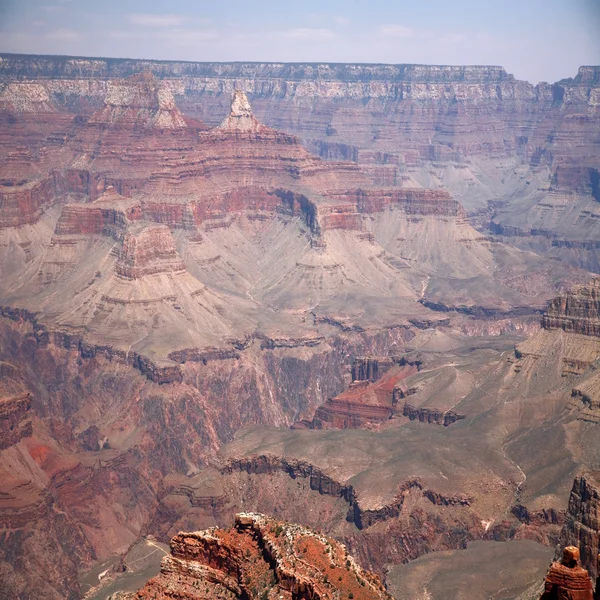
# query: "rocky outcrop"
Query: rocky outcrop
{"points": [[371, 397], [577, 312], [411, 201], [367, 369], [26, 97], [140, 102], [109, 215], [148, 249], [240, 116], [431, 415], [324, 484], [22, 202], [260, 558], [15, 419], [44, 336], [582, 523]]}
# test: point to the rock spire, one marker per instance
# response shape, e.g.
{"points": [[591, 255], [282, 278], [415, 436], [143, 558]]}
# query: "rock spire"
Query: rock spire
{"points": [[240, 117]]}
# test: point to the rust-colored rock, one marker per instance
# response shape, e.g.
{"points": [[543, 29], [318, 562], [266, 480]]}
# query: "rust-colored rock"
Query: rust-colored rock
{"points": [[148, 249], [567, 580], [260, 558]]}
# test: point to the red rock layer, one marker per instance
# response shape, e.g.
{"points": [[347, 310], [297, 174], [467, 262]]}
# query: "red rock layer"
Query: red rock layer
{"points": [[22, 203], [578, 311], [260, 558], [369, 399], [109, 215], [412, 201], [148, 249]]}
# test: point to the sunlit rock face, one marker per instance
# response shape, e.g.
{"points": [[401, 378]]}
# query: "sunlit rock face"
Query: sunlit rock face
{"points": [[260, 558]]}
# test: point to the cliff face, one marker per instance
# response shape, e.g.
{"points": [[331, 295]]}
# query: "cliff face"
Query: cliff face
{"points": [[430, 121], [582, 525], [260, 558], [571, 333], [577, 312], [15, 420], [371, 397], [148, 250]]}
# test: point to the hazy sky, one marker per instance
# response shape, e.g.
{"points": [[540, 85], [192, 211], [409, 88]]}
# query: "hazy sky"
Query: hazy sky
{"points": [[538, 40]]}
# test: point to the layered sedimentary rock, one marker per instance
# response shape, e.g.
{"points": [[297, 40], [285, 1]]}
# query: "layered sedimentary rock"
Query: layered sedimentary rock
{"points": [[260, 558], [356, 230], [576, 312], [26, 97], [448, 126], [22, 202], [466, 93], [148, 250], [582, 527], [370, 398], [183, 283], [109, 215], [139, 102]]}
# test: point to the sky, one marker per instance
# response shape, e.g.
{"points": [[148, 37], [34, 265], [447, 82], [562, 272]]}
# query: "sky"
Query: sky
{"points": [[536, 40]]}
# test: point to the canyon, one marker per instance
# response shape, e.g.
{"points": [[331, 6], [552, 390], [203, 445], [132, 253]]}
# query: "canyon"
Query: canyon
{"points": [[359, 298]]}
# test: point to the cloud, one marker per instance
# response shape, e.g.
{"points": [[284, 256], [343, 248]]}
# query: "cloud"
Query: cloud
{"points": [[452, 38], [189, 37], [396, 30], [64, 35], [173, 36], [155, 20], [305, 34], [341, 20]]}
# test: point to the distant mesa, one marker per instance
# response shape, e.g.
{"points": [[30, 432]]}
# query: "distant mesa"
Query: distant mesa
{"points": [[26, 97], [142, 102], [571, 332]]}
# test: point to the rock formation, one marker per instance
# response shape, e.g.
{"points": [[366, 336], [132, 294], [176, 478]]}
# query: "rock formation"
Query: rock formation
{"points": [[260, 558], [15, 422], [582, 527], [567, 579], [240, 116], [577, 312], [571, 329], [148, 249], [164, 285], [139, 102]]}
